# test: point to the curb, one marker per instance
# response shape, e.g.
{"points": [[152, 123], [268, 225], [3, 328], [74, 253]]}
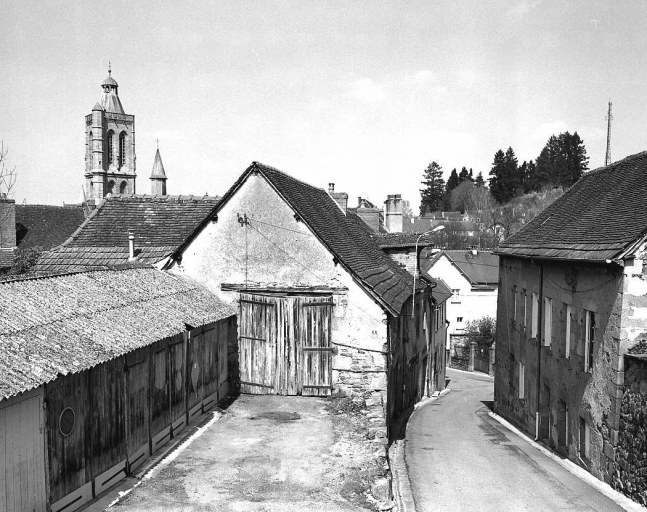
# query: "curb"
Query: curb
{"points": [[402, 495], [615, 496]]}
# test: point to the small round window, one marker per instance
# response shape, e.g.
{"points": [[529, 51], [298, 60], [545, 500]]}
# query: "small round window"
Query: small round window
{"points": [[66, 421]]}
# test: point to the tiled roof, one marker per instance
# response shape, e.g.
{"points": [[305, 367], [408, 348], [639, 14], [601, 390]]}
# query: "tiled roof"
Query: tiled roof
{"points": [[46, 226], [480, 269], [441, 292], [345, 236], [160, 224], [596, 219], [72, 322], [402, 240], [6, 257]]}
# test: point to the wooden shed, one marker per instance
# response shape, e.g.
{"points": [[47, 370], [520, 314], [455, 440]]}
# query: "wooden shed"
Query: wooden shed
{"points": [[100, 370]]}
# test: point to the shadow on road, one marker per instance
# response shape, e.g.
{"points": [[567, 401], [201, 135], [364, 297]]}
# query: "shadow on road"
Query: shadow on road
{"points": [[399, 425], [489, 404]]}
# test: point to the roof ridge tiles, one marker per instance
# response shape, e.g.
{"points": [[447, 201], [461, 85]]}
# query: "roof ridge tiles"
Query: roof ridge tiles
{"points": [[159, 197], [615, 164], [262, 166]]}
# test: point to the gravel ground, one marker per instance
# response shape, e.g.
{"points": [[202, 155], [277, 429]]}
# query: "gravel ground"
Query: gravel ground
{"points": [[269, 453]]}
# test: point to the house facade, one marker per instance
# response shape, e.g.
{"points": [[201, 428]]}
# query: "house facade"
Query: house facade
{"points": [[99, 371], [572, 309], [322, 310], [473, 279]]}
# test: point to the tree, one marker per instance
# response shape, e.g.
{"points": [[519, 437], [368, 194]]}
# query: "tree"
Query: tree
{"points": [[453, 181], [460, 196], [561, 163], [7, 174], [479, 180], [434, 189], [481, 331], [463, 176], [24, 260], [498, 183], [514, 184], [7, 182]]}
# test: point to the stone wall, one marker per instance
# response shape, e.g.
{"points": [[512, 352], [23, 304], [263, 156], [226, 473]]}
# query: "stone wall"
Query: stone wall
{"points": [[460, 357], [568, 396], [630, 475]]}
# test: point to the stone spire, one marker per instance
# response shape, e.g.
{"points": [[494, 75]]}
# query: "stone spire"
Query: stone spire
{"points": [[158, 176]]}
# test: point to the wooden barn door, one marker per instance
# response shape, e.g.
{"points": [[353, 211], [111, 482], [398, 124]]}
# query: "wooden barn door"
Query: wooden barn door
{"points": [[257, 343], [313, 335], [22, 457], [284, 344]]}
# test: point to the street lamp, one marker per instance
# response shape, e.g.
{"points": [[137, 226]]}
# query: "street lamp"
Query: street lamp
{"points": [[415, 269]]}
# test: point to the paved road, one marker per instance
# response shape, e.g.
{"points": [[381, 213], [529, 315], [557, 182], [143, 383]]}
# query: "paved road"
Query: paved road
{"points": [[459, 458]]}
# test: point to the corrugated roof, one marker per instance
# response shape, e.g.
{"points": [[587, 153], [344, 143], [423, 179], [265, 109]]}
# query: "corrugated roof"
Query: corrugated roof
{"points": [[595, 220], [160, 224], [345, 236], [46, 226], [69, 323]]}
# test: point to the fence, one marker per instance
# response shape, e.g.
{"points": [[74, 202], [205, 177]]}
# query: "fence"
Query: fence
{"points": [[471, 357], [103, 423]]}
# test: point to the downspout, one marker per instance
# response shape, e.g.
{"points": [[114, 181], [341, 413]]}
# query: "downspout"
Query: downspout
{"points": [[389, 376], [540, 308], [431, 339]]}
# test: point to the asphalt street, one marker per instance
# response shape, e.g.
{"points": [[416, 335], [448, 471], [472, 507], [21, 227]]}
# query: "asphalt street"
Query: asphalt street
{"points": [[460, 458]]}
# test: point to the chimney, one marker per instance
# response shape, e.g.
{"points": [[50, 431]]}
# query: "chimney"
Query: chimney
{"points": [[131, 245], [341, 198], [371, 216], [7, 222], [393, 213]]}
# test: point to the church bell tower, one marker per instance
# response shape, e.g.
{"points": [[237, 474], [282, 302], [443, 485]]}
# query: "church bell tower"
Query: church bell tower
{"points": [[110, 146]]}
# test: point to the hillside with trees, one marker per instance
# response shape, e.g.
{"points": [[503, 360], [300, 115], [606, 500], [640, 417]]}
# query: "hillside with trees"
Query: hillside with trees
{"points": [[517, 193]]}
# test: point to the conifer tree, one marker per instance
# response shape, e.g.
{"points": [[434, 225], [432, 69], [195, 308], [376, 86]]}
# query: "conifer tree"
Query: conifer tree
{"points": [[513, 183], [463, 176], [497, 177], [479, 179], [453, 181], [434, 189]]}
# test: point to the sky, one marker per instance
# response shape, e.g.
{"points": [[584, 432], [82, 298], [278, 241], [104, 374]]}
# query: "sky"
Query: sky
{"points": [[361, 94]]}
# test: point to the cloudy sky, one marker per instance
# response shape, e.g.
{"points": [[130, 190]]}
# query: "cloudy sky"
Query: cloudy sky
{"points": [[363, 94]]}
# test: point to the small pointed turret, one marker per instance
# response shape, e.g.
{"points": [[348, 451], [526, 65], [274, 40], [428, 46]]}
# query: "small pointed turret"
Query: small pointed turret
{"points": [[158, 176]]}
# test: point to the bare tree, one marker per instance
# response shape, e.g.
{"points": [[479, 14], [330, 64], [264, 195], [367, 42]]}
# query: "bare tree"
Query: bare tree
{"points": [[7, 182], [7, 174]]}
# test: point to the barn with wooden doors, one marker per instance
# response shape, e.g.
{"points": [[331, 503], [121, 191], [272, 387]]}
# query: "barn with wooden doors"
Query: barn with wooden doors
{"points": [[320, 305], [98, 371]]}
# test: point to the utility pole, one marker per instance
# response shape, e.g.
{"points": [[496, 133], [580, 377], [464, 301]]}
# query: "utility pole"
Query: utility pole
{"points": [[607, 158]]}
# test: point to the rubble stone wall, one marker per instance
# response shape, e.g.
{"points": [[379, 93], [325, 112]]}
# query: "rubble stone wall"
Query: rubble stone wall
{"points": [[630, 475]]}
